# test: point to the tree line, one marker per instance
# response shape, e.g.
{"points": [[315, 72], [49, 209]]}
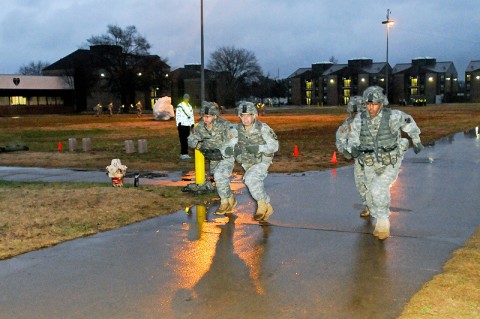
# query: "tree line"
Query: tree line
{"points": [[243, 75]]}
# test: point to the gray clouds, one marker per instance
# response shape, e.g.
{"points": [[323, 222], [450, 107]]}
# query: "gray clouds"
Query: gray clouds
{"points": [[283, 34]]}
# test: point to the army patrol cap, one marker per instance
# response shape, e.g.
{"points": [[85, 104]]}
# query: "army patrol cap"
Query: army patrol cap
{"points": [[247, 107], [355, 104], [210, 108], [374, 94]]}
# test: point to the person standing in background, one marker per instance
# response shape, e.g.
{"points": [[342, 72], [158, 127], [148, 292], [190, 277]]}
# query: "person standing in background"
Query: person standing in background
{"points": [[185, 120]]}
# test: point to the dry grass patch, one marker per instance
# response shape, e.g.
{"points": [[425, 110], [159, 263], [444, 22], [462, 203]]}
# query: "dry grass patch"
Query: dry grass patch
{"points": [[312, 129], [35, 215], [39, 215], [454, 293]]}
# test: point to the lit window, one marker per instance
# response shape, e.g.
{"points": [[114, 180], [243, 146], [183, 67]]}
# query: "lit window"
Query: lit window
{"points": [[468, 77], [18, 100]]}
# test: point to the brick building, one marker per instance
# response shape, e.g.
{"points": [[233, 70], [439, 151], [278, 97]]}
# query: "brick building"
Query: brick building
{"points": [[472, 82], [187, 80], [426, 78], [326, 83]]}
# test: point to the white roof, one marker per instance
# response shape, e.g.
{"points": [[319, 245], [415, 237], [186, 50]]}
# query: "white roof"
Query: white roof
{"points": [[33, 82]]}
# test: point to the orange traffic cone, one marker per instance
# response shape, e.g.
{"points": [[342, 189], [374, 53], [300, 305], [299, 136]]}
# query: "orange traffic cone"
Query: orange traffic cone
{"points": [[60, 147], [295, 151], [334, 158]]}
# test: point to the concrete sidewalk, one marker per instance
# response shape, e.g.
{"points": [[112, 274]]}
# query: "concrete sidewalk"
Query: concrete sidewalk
{"points": [[317, 258]]}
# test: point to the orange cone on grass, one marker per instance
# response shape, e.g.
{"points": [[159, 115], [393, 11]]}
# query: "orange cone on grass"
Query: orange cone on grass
{"points": [[334, 158], [295, 151], [60, 147]]}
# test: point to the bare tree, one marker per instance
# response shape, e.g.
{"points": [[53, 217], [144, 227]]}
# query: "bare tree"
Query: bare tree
{"points": [[131, 68], [333, 60], [33, 68], [237, 66], [129, 39]]}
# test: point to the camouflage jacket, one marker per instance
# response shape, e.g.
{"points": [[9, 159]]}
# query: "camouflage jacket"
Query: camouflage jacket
{"points": [[260, 134], [342, 134], [398, 121], [220, 136]]}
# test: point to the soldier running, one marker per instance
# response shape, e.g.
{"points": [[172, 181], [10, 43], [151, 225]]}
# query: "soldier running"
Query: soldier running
{"points": [[354, 106], [375, 141], [215, 137], [256, 145]]}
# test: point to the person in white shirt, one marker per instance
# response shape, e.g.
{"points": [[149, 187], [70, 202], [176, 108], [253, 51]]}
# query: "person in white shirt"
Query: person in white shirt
{"points": [[185, 120]]}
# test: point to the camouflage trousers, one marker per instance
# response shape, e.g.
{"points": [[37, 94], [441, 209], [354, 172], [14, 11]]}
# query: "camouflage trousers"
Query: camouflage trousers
{"points": [[378, 179], [254, 176], [359, 175], [222, 170]]}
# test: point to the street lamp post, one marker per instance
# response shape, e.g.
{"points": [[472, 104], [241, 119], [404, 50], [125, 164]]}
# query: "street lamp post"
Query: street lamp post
{"points": [[387, 22], [202, 65]]}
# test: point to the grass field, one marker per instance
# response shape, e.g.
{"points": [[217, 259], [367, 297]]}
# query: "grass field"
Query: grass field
{"points": [[34, 215]]}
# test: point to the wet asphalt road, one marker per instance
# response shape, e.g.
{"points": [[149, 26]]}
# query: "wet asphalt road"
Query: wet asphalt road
{"points": [[317, 258]]}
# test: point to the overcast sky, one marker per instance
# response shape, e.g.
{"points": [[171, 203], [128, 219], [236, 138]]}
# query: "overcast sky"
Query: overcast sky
{"points": [[284, 34]]}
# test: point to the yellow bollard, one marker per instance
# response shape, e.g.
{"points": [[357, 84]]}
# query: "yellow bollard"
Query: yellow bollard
{"points": [[199, 166]]}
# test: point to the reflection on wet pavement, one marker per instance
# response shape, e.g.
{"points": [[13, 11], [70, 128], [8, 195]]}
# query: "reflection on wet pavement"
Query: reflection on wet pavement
{"points": [[316, 258]]}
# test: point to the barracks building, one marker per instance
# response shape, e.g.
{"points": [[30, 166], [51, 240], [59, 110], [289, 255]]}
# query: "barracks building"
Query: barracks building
{"points": [[327, 83]]}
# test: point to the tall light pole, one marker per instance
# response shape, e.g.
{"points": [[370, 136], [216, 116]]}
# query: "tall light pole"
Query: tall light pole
{"points": [[387, 22], [202, 65]]}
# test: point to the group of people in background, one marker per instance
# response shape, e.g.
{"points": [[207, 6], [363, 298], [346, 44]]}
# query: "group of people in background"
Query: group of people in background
{"points": [[249, 142], [98, 109], [371, 135]]}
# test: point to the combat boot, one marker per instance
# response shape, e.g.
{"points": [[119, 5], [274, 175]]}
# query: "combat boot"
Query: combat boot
{"points": [[365, 212], [382, 229], [267, 213], [223, 208], [226, 206], [264, 210], [232, 202]]}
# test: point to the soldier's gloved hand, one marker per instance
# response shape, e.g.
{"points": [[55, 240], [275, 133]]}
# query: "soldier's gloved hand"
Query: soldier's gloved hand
{"points": [[347, 154], [418, 147], [253, 149], [355, 152], [228, 151]]}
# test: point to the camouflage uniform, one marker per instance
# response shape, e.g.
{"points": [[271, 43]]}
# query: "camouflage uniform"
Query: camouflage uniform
{"points": [[217, 144], [254, 151], [377, 145], [354, 105]]}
